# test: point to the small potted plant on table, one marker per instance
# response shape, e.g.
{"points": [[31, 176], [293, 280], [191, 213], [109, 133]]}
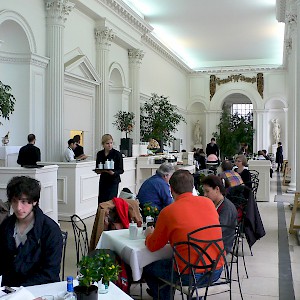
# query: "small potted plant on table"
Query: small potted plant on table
{"points": [[92, 269]]}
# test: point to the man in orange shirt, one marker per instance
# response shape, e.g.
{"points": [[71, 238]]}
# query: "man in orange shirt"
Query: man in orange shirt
{"points": [[174, 222]]}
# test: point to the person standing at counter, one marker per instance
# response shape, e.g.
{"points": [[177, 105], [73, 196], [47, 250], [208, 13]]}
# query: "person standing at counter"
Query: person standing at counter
{"points": [[29, 154], [109, 179]]}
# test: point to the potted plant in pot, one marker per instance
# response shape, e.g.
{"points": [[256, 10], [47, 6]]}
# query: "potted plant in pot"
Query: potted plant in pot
{"points": [[92, 269], [125, 123], [159, 120]]}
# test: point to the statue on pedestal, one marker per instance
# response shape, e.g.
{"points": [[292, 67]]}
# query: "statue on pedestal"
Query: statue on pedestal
{"points": [[276, 131], [198, 135]]}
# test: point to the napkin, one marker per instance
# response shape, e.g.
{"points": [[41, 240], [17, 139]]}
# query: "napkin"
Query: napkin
{"points": [[21, 294]]}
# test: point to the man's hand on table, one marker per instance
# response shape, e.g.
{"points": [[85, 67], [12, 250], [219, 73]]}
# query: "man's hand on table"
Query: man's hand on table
{"points": [[149, 230]]}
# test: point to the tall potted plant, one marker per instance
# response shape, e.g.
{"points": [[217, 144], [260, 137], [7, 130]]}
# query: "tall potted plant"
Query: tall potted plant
{"points": [[234, 130], [159, 120], [125, 123], [7, 106]]}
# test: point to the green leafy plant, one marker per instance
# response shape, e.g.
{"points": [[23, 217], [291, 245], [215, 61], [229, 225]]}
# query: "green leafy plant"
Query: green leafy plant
{"points": [[150, 210], [124, 121], [93, 269], [200, 186], [159, 119], [234, 130], [7, 101]]}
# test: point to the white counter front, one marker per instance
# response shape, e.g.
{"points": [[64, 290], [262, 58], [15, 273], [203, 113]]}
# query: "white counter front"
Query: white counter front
{"points": [[48, 179], [77, 189], [9, 156], [263, 167]]}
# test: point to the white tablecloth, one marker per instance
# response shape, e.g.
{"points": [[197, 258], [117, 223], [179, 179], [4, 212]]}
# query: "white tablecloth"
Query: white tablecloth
{"points": [[133, 252], [58, 288]]}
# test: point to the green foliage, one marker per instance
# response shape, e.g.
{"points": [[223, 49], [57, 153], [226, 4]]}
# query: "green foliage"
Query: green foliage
{"points": [[234, 130], [200, 187], [92, 269], [150, 210], [124, 121], [7, 101], [159, 119]]}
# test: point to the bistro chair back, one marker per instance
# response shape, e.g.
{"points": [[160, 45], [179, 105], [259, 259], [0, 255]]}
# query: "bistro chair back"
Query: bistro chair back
{"points": [[81, 237], [185, 279], [228, 234], [64, 239]]}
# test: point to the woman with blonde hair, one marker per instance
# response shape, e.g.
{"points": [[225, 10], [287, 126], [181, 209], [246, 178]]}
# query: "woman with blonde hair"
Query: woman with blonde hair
{"points": [[241, 163], [110, 177]]}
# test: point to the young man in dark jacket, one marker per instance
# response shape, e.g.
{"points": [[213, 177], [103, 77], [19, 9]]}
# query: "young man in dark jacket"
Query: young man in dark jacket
{"points": [[31, 242]]}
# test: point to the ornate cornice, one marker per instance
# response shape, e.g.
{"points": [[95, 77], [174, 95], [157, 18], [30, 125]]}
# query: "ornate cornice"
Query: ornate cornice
{"points": [[104, 36], [58, 10], [127, 14], [32, 59], [238, 69], [165, 52], [135, 56]]}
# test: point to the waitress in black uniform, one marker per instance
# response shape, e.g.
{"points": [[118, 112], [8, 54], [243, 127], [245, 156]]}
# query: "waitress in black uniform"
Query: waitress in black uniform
{"points": [[109, 179]]}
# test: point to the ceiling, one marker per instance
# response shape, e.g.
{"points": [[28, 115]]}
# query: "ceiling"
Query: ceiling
{"points": [[216, 33]]}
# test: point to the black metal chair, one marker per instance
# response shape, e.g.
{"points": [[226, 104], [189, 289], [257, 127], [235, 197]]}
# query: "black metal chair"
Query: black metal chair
{"points": [[64, 239], [228, 233], [199, 261], [81, 237], [177, 281]]}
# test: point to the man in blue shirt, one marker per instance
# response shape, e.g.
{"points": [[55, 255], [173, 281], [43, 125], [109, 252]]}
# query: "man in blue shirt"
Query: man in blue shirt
{"points": [[156, 190]]}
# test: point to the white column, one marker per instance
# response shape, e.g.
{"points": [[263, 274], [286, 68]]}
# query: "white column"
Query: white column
{"points": [[297, 98], [259, 125], [290, 56], [135, 59], [103, 36], [57, 10]]}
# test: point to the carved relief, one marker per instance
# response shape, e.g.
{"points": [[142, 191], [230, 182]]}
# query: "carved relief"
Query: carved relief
{"points": [[259, 79]]}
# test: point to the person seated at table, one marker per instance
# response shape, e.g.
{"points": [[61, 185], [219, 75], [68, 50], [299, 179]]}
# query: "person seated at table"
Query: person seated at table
{"points": [[174, 222], [260, 155], [156, 190], [199, 156], [230, 178], [241, 164], [31, 242], [215, 191]]}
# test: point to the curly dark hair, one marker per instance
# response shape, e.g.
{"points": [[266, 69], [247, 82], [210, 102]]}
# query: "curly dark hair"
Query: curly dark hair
{"points": [[20, 185]]}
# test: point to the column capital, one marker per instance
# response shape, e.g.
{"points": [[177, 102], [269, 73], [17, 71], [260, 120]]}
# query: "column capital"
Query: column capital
{"points": [[58, 10], [104, 36], [135, 56], [291, 19], [288, 43]]}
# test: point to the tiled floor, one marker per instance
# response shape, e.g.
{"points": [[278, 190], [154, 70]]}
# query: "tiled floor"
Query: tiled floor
{"points": [[268, 266]]}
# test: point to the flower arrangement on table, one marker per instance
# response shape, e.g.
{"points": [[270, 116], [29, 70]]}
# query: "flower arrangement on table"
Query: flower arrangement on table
{"points": [[150, 210], [100, 266], [153, 145]]}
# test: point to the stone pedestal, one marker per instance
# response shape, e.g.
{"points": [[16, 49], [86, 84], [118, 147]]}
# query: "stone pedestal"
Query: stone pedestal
{"points": [[263, 167]]}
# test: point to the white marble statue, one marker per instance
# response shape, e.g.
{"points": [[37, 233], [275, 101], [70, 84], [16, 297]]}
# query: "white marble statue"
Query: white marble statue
{"points": [[197, 133], [276, 131]]}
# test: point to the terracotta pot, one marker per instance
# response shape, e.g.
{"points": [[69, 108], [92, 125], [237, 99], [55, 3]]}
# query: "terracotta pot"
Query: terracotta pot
{"points": [[86, 293]]}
